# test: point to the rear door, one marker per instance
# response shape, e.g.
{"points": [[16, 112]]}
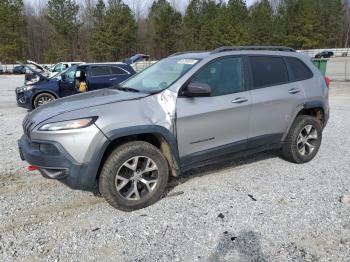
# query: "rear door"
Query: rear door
{"points": [[99, 77], [214, 126], [275, 99]]}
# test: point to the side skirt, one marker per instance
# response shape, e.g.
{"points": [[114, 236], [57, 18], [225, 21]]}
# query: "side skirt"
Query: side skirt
{"points": [[231, 151]]}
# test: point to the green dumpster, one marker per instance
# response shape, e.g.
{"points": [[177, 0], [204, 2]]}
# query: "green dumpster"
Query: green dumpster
{"points": [[321, 64]]}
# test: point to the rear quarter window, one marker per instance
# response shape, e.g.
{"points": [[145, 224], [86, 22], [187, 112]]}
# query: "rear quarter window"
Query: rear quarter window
{"points": [[299, 69], [268, 71], [118, 71]]}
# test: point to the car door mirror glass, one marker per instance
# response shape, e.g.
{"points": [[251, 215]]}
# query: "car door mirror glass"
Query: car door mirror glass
{"points": [[197, 89]]}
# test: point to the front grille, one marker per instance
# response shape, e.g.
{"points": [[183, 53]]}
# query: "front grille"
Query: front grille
{"points": [[27, 125]]}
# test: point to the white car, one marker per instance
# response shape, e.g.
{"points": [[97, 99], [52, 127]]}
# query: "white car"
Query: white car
{"points": [[62, 66]]}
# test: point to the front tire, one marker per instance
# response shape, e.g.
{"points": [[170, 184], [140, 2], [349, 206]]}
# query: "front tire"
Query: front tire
{"points": [[303, 140], [42, 99], [134, 176]]}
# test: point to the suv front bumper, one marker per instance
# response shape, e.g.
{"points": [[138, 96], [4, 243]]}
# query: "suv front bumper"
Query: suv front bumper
{"points": [[23, 98], [55, 163]]}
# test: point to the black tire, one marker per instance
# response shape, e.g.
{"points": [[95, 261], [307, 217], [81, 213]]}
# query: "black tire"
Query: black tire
{"points": [[115, 162], [291, 150], [42, 99]]}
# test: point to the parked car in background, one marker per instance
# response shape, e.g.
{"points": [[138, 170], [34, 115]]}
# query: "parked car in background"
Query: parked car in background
{"points": [[62, 66], [136, 58], [20, 69], [324, 54], [66, 83], [1, 69], [185, 111]]}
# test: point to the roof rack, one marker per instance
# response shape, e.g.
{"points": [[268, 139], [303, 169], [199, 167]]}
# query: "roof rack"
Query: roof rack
{"points": [[237, 48], [185, 52]]}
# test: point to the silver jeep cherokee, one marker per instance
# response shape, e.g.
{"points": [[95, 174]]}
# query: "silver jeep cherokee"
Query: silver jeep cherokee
{"points": [[187, 110]]}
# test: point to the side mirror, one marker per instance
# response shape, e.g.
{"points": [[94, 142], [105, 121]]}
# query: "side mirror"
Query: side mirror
{"points": [[197, 89]]}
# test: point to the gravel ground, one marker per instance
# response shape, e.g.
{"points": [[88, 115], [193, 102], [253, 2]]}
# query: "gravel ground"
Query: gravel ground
{"points": [[259, 208]]}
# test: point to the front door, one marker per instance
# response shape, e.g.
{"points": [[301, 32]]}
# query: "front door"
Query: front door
{"points": [[216, 125], [67, 82]]}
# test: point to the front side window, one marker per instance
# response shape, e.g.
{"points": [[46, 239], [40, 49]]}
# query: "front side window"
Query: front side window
{"points": [[268, 71], [68, 75], [224, 76], [161, 75], [100, 71]]}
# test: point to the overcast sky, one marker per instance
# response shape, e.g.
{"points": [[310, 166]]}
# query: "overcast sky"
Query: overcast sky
{"points": [[180, 4]]}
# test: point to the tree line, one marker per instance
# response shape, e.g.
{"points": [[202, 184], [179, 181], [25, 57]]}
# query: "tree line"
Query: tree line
{"points": [[98, 30]]}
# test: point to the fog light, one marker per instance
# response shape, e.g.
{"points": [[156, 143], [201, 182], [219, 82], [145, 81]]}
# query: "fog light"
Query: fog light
{"points": [[48, 149], [22, 100]]}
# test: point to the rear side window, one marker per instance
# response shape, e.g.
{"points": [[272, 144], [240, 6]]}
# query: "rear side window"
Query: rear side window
{"points": [[299, 69], [100, 71], [118, 71], [268, 71]]}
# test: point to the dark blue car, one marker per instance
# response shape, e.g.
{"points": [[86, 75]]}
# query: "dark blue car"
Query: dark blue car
{"points": [[96, 76]]}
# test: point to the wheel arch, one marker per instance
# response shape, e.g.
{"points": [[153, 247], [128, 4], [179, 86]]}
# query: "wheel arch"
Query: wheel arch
{"points": [[312, 108], [158, 136], [42, 92]]}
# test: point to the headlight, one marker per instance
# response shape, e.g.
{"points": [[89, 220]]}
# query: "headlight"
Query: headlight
{"points": [[23, 89], [70, 124], [27, 88]]}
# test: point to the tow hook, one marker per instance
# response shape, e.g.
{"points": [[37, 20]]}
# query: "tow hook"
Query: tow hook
{"points": [[32, 168]]}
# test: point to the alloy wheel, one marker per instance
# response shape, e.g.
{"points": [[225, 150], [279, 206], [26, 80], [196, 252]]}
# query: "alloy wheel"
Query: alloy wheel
{"points": [[136, 178], [44, 100], [307, 139]]}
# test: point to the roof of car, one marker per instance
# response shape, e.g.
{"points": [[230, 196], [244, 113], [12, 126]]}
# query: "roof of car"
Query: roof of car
{"points": [[106, 63], [234, 49]]}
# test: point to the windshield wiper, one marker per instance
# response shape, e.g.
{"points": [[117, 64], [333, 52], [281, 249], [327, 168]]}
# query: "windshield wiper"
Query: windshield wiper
{"points": [[128, 89]]}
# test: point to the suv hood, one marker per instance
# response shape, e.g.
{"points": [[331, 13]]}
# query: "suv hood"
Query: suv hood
{"points": [[38, 66], [81, 101], [40, 75]]}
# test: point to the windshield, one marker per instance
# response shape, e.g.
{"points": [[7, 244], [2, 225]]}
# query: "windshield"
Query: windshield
{"points": [[160, 75]]}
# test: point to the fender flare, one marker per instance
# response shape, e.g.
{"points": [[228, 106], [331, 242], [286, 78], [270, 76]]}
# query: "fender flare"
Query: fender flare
{"points": [[139, 130], [306, 105]]}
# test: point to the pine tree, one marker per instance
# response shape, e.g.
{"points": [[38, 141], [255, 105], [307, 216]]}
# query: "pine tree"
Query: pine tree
{"points": [[165, 23], [63, 16], [261, 26], [114, 30], [12, 23]]}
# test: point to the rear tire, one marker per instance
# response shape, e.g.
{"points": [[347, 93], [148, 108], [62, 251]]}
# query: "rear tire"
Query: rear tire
{"points": [[303, 140], [134, 176], [42, 99]]}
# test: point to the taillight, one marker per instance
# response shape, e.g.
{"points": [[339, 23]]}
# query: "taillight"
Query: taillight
{"points": [[328, 81]]}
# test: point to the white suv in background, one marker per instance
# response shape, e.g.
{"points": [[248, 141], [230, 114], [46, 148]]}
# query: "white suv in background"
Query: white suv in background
{"points": [[59, 67]]}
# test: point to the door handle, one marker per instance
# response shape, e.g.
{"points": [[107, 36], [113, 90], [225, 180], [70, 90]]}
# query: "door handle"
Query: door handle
{"points": [[239, 100], [112, 79], [294, 91]]}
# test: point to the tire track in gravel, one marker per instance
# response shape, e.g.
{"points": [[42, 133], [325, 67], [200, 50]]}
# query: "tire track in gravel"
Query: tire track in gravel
{"points": [[45, 213]]}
